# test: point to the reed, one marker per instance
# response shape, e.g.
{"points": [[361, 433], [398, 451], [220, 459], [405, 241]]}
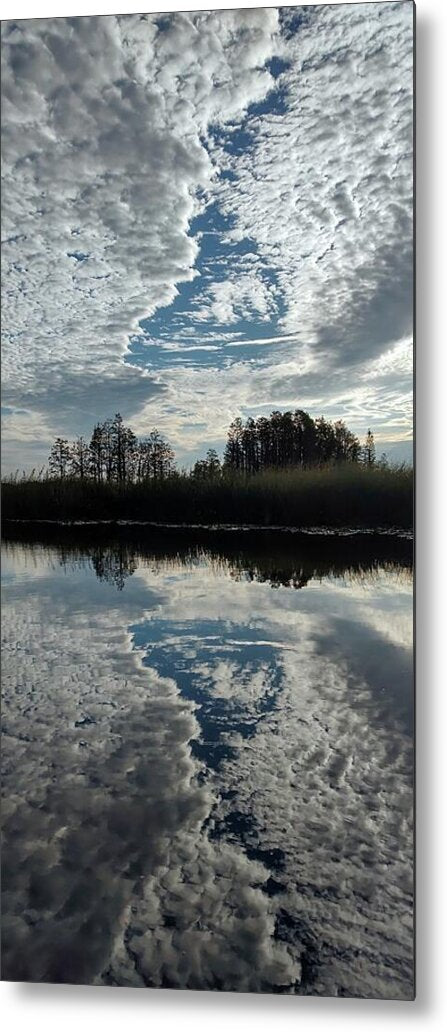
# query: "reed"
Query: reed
{"points": [[330, 496]]}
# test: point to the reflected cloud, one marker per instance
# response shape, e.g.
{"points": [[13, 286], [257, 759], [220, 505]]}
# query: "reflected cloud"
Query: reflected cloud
{"points": [[208, 783]]}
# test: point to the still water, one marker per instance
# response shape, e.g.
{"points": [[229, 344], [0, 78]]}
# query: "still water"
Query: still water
{"points": [[207, 753]]}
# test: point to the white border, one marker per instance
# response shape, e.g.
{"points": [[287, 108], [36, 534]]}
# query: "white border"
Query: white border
{"points": [[44, 1008], [70, 8]]}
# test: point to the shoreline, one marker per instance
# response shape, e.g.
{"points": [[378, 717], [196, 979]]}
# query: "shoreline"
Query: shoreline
{"points": [[324, 531]]}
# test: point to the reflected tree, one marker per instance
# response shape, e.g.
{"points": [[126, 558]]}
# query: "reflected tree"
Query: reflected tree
{"points": [[114, 565]]}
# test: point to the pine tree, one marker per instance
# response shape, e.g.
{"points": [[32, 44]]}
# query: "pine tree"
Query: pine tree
{"points": [[59, 458], [208, 468], [369, 450], [98, 453]]}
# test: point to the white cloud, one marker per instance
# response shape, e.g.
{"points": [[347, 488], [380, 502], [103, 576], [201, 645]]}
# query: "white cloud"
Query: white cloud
{"points": [[238, 297], [103, 122], [115, 132], [326, 190]]}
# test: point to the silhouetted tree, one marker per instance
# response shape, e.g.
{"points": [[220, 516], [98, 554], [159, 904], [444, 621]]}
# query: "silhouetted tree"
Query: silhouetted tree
{"points": [[369, 450], [347, 446], [59, 458], [113, 455], [98, 454], [264, 432], [208, 468], [324, 441], [122, 445], [288, 439], [282, 441], [233, 458], [305, 453], [80, 459], [155, 458]]}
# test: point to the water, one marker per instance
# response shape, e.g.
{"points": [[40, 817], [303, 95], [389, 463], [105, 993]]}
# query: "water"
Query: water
{"points": [[207, 754]]}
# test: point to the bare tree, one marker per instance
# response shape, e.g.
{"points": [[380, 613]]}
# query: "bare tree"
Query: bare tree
{"points": [[155, 458], [80, 459], [123, 449]]}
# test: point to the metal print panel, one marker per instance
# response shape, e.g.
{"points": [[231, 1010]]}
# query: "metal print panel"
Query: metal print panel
{"points": [[207, 684]]}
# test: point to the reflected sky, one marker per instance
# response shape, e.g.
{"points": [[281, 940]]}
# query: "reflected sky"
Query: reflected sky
{"points": [[207, 771]]}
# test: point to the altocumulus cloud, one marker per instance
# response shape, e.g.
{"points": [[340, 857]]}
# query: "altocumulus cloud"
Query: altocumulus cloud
{"points": [[326, 189], [103, 124], [118, 132]]}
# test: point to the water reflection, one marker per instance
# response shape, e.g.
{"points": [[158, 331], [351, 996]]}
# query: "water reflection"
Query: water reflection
{"points": [[208, 782], [285, 559]]}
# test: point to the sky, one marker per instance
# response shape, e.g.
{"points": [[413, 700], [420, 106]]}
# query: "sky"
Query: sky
{"points": [[207, 215]]}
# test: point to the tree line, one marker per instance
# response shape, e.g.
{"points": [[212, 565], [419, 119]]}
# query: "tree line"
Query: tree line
{"points": [[113, 455], [293, 439], [283, 440]]}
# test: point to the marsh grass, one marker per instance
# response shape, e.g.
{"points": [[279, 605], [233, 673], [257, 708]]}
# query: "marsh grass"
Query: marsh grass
{"points": [[332, 496]]}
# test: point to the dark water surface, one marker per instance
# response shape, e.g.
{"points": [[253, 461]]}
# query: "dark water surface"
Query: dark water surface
{"points": [[207, 762]]}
